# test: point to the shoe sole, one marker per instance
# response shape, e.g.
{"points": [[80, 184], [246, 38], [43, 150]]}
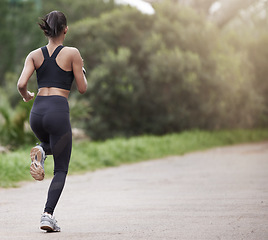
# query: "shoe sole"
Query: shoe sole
{"points": [[47, 227], [36, 168]]}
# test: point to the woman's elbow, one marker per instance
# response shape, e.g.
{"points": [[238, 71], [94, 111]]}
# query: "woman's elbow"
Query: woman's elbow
{"points": [[83, 89]]}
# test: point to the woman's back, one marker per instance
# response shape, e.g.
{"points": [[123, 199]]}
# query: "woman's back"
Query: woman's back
{"points": [[64, 58], [68, 59]]}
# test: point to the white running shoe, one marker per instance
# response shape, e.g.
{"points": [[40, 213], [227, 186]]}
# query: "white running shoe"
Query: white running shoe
{"points": [[49, 223], [37, 166]]}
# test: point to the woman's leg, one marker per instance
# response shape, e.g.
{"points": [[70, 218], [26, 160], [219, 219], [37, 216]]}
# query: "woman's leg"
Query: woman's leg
{"points": [[58, 124]]}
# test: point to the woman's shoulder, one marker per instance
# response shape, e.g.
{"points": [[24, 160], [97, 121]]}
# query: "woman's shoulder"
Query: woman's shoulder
{"points": [[35, 53], [71, 49], [72, 52]]}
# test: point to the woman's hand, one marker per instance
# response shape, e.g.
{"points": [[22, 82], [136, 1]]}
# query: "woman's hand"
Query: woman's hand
{"points": [[30, 96]]}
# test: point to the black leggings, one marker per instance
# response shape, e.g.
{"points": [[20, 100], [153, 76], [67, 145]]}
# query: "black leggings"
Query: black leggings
{"points": [[50, 121]]}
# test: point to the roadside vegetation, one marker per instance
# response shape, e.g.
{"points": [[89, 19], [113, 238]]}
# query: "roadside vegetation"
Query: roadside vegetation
{"points": [[89, 156]]}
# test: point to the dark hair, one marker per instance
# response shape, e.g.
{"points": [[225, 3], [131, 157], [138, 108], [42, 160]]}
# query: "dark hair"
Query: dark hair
{"points": [[53, 23]]}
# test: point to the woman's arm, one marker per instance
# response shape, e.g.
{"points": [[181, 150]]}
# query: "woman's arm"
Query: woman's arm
{"points": [[80, 78], [24, 78]]}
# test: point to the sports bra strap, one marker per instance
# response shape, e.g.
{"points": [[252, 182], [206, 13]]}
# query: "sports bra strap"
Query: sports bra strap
{"points": [[56, 52], [45, 52]]}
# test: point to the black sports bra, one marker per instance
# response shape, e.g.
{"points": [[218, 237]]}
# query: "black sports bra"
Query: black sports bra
{"points": [[49, 74]]}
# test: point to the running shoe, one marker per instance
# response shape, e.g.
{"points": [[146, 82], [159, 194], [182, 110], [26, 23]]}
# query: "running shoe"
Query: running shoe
{"points": [[49, 223], [37, 166]]}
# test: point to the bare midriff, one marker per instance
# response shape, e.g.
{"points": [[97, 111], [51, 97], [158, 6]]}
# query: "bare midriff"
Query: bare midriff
{"points": [[50, 91]]}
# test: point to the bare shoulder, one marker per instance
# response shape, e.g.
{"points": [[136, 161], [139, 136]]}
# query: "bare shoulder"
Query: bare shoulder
{"points": [[72, 50], [35, 54], [73, 54]]}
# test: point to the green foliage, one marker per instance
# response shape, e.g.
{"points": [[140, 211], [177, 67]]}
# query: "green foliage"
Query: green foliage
{"points": [[5, 36], [19, 35], [79, 9], [80, 111], [150, 76], [14, 127], [88, 156], [14, 167], [117, 86]]}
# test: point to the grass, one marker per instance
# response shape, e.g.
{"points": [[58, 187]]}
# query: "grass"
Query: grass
{"points": [[89, 156]]}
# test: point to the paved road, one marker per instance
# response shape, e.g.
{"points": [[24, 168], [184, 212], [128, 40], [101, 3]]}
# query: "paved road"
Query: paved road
{"points": [[216, 194]]}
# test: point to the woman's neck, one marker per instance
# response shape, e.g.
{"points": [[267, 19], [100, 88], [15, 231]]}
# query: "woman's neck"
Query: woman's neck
{"points": [[55, 41]]}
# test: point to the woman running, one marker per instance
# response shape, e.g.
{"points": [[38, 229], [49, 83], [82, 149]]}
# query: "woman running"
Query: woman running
{"points": [[56, 66]]}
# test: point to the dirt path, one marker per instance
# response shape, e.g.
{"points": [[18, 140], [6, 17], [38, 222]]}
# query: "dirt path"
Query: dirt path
{"points": [[216, 194]]}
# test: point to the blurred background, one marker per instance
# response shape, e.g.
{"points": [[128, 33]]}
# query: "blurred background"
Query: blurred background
{"points": [[153, 67]]}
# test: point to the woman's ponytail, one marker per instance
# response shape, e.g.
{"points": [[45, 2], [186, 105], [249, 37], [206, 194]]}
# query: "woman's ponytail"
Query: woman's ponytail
{"points": [[53, 24], [45, 27]]}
